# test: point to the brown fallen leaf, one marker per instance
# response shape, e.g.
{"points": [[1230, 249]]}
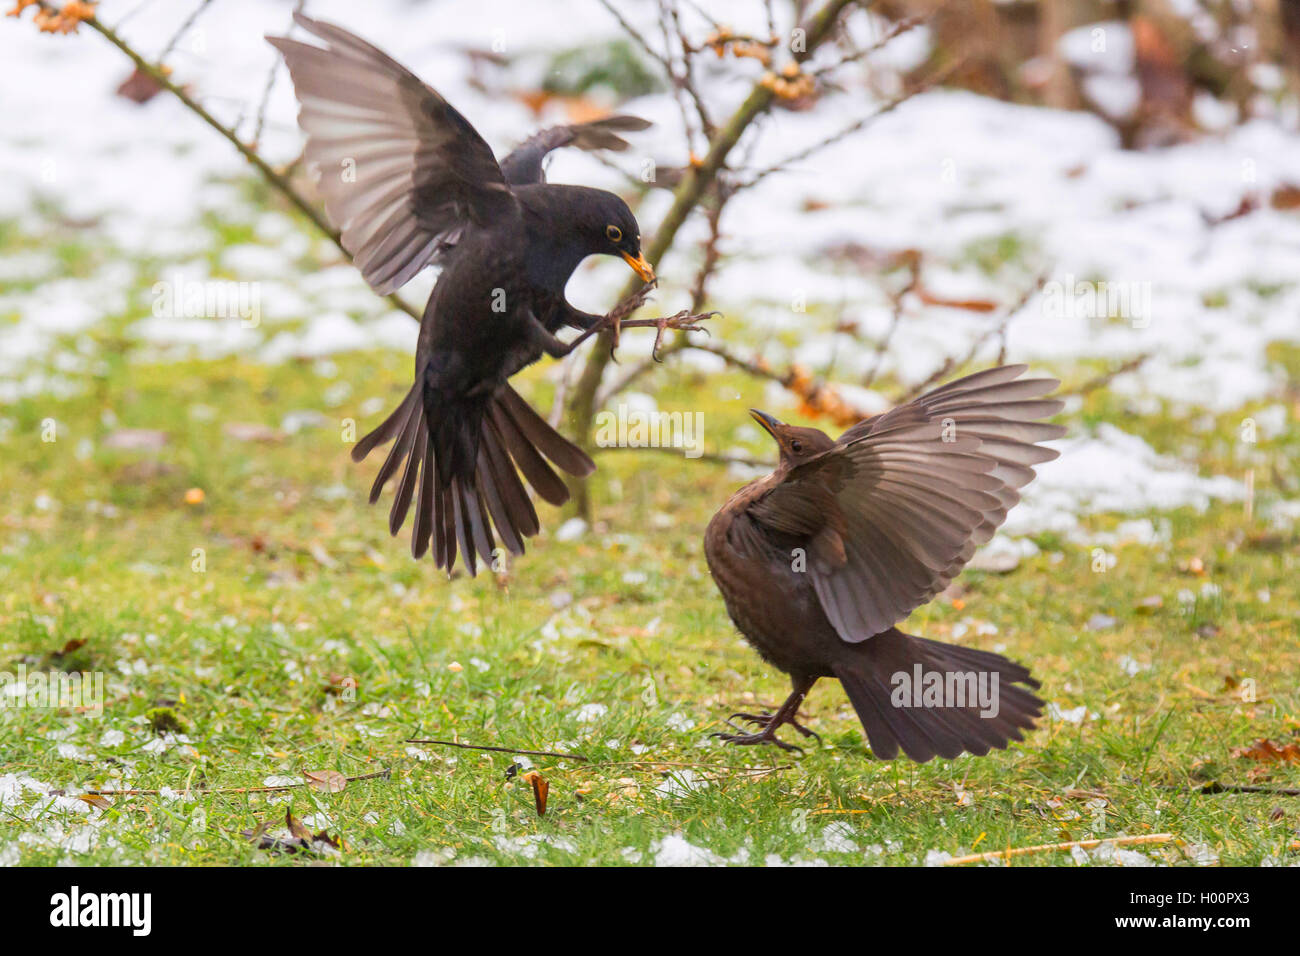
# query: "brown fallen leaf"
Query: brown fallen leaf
{"points": [[136, 439], [970, 305], [139, 87], [95, 800], [251, 431], [75, 644], [541, 788], [328, 781], [1286, 196], [1266, 751], [296, 828]]}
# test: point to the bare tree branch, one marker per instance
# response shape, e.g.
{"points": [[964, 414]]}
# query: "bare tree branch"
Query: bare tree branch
{"points": [[847, 131], [277, 181], [694, 186], [997, 331]]}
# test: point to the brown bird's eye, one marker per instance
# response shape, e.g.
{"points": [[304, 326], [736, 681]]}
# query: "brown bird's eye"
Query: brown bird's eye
{"points": [[614, 233], [796, 445]]}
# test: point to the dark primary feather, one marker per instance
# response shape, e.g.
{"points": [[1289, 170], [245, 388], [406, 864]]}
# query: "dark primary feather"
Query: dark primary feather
{"points": [[897, 507], [524, 164], [402, 172], [400, 168]]}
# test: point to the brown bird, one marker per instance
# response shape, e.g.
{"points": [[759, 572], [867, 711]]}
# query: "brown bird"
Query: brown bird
{"points": [[821, 559]]}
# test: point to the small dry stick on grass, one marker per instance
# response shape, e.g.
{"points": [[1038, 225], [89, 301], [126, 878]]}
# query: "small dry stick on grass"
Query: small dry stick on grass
{"points": [[385, 774], [499, 750], [1050, 847]]}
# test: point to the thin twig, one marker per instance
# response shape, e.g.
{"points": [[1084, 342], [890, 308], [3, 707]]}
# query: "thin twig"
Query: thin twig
{"points": [[1000, 329], [688, 72], [699, 295], [500, 750], [854, 127], [184, 29], [260, 122], [276, 180], [231, 790], [1215, 787], [899, 28], [693, 188], [896, 319], [1101, 381], [1010, 852], [702, 456]]}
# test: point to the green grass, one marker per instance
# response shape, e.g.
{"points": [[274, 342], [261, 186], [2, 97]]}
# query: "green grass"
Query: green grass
{"points": [[615, 645]]}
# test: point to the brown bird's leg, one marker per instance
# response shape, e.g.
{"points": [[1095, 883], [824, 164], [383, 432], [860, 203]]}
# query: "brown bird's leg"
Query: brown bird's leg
{"points": [[785, 714]]}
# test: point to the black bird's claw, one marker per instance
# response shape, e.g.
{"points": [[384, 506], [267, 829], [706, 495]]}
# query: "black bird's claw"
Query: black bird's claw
{"points": [[683, 321]]}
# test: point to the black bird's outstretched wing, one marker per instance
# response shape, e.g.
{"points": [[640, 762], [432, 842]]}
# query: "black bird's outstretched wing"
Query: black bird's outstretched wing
{"points": [[400, 169], [896, 508], [524, 164]]}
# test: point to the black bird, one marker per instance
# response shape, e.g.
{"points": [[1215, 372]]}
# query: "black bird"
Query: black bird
{"points": [[409, 182], [819, 560]]}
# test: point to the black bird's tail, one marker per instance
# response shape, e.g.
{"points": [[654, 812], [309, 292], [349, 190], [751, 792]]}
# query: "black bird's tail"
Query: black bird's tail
{"points": [[961, 709], [463, 457]]}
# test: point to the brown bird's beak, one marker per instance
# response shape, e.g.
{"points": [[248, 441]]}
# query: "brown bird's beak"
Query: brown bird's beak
{"points": [[767, 421], [640, 266]]}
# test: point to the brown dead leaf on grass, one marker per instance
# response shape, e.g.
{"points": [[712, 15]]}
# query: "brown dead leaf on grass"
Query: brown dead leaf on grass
{"points": [[327, 781], [1268, 751], [541, 789]]}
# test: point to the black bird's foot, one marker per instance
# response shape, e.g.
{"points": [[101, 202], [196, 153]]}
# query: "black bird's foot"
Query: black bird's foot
{"points": [[683, 321], [614, 320]]}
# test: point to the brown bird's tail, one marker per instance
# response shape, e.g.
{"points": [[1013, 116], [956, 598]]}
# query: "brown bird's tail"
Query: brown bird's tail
{"points": [[935, 699], [463, 458]]}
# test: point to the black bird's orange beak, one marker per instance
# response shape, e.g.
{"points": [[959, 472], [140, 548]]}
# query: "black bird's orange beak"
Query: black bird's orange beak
{"points": [[640, 266], [767, 421]]}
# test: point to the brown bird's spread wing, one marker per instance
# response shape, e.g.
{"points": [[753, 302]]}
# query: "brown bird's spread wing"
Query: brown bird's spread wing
{"points": [[524, 164], [400, 169], [892, 513]]}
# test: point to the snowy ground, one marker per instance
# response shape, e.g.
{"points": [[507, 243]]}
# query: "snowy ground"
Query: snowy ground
{"points": [[949, 174]]}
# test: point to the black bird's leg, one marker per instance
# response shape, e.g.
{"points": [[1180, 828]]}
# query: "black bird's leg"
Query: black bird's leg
{"points": [[578, 319], [785, 714], [557, 348]]}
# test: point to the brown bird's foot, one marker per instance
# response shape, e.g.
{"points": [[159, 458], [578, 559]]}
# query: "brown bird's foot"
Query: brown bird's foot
{"points": [[763, 720], [769, 723], [765, 736]]}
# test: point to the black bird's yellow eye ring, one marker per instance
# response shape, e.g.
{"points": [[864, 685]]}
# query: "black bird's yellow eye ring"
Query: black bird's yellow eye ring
{"points": [[614, 234]]}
